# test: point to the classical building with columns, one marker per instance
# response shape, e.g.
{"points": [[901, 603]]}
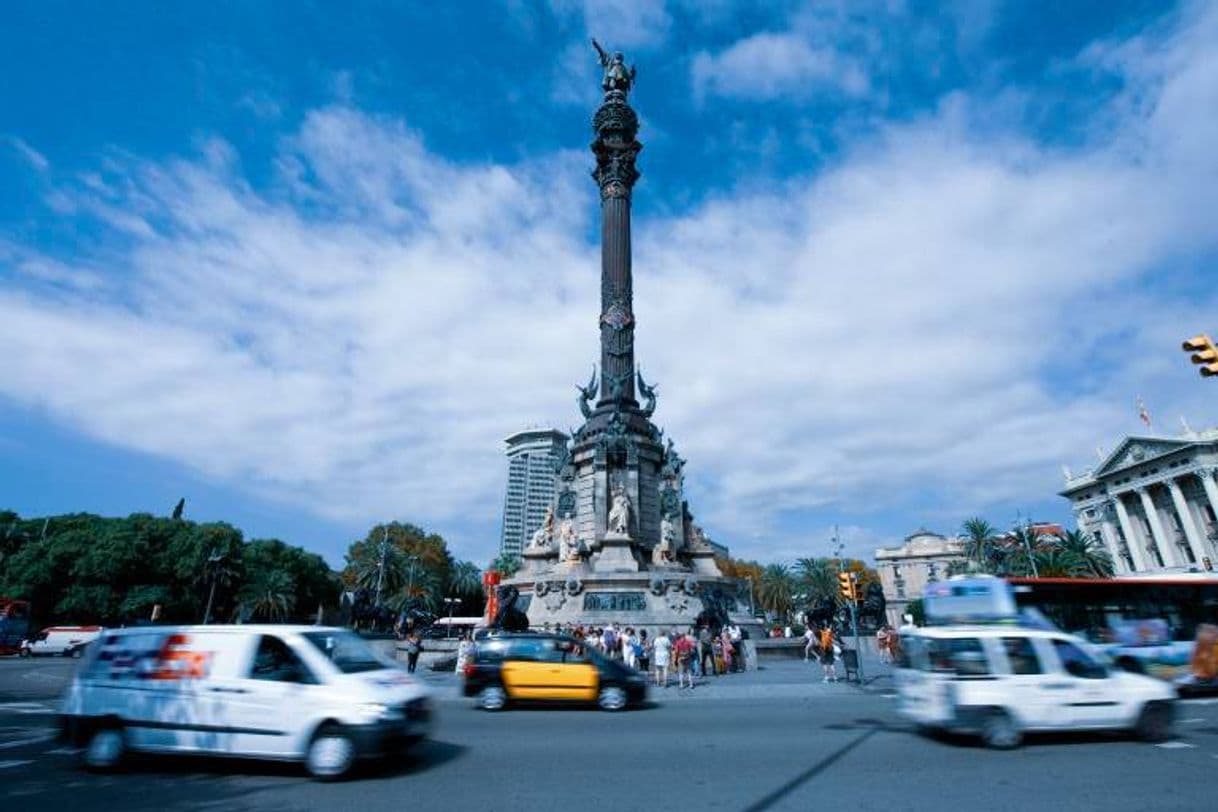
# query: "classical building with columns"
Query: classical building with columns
{"points": [[1153, 503]]}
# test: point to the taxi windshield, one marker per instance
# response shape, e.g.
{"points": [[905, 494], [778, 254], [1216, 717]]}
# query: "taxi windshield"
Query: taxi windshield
{"points": [[349, 653]]}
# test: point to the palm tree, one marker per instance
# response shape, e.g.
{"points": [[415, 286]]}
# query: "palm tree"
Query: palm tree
{"points": [[1092, 559], [269, 597], [465, 579], [507, 564], [1054, 562], [423, 590], [777, 589], [1022, 544], [978, 536], [818, 579]]}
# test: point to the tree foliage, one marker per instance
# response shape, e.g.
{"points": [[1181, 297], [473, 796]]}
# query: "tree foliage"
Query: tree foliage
{"points": [[93, 569]]}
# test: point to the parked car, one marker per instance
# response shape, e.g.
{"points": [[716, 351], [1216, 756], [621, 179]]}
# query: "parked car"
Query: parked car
{"points": [[300, 693], [1003, 681], [68, 641], [530, 667]]}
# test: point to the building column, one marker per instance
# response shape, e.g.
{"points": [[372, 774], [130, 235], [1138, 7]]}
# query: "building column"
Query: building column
{"points": [[1206, 475], [1158, 537], [1111, 542], [1132, 541], [1186, 520]]}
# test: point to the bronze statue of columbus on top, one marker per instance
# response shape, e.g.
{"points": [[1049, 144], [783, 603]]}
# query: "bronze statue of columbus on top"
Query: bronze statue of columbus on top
{"points": [[617, 75]]}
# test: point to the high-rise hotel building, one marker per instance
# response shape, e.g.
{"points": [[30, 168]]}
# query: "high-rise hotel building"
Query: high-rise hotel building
{"points": [[531, 454]]}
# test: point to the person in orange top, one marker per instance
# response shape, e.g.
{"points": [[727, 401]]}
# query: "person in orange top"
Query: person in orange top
{"points": [[827, 660]]}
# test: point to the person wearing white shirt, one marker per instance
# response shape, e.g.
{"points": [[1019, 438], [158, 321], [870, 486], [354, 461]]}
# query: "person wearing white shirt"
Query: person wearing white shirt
{"points": [[661, 653]]}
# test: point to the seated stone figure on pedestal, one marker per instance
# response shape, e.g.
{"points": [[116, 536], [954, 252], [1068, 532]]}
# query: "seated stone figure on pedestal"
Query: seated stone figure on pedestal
{"points": [[568, 544], [545, 534], [670, 543]]}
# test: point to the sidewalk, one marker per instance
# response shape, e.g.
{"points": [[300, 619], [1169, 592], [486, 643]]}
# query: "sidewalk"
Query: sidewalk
{"points": [[776, 678]]}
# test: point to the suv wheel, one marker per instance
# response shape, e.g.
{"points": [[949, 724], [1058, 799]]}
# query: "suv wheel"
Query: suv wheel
{"points": [[1155, 722], [999, 731], [492, 698], [331, 754], [105, 749], [611, 698]]}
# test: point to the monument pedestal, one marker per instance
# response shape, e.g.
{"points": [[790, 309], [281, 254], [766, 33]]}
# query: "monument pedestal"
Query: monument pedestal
{"points": [[616, 555], [702, 562], [534, 561]]}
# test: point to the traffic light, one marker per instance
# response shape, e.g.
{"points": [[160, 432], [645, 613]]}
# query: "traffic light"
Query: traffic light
{"points": [[847, 586], [1204, 354]]}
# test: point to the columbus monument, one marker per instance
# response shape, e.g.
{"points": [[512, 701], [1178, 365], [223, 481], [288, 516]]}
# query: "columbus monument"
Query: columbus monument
{"points": [[619, 543]]}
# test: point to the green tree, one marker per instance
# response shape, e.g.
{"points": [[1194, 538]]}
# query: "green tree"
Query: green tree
{"points": [[465, 584], [506, 564], [817, 579], [269, 597], [978, 542], [777, 591], [1090, 557]]}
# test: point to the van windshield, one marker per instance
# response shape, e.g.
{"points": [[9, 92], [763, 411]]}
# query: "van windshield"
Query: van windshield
{"points": [[349, 653]]}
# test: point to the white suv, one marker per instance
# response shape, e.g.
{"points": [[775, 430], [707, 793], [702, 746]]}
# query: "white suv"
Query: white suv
{"points": [[1000, 681]]}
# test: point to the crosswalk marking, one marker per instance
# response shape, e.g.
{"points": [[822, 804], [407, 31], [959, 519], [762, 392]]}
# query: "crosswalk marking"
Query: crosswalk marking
{"points": [[1176, 745]]}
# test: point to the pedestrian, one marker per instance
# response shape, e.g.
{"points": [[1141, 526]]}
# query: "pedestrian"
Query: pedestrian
{"points": [[628, 655], [728, 652], [465, 652], [734, 636], [661, 653], [414, 647], [828, 662], [609, 641], [881, 644], [717, 655], [809, 642], [683, 648], [642, 652]]}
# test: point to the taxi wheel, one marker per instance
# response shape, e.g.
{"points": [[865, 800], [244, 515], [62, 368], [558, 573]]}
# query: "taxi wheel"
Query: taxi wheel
{"points": [[611, 698], [999, 731], [331, 754], [492, 698], [105, 749], [1155, 723]]}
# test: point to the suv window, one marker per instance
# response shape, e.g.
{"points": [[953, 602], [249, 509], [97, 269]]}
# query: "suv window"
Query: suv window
{"points": [[1021, 655], [275, 662], [1077, 662], [962, 656]]}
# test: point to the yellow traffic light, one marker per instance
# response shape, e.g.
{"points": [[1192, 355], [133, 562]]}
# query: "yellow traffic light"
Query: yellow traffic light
{"points": [[1204, 354], [846, 584]]}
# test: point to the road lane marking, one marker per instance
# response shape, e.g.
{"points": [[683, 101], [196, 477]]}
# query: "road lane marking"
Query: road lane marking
{"points": [[46, 737], [4, 765], [1195, 721], [1175, 745]]}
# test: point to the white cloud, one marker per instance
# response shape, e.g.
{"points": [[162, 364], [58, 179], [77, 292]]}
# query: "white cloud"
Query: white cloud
{"points": [[620, 23], [768, 65], [31, 156], [926, 328]]}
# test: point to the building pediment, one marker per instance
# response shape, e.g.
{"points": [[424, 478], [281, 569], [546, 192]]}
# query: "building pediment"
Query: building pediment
{"points": [[1135, 451]]}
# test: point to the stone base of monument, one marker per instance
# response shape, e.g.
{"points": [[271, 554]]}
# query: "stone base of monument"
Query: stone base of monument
{"points": [[616, 554], [660, 600]]}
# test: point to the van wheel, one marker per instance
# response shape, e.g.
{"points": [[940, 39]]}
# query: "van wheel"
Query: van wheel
{"points": [[331, 754], [1155, 722], [999, 731], [105, 749], [76, 653], [492, 698], [611, 698], [25, 652]]}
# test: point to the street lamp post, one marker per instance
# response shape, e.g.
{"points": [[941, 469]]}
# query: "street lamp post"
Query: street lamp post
{"points": [[452, 604], [213, 562], [380, 569]]}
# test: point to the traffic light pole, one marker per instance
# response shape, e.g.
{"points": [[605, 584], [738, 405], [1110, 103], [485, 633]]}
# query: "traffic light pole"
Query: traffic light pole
{"points": [[850, 593]]}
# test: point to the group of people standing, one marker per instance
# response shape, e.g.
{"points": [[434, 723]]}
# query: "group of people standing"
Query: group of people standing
{"points": [[696, 652]]}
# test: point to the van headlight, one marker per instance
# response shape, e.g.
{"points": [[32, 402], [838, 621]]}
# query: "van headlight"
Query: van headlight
{"points": [[375, 710]]}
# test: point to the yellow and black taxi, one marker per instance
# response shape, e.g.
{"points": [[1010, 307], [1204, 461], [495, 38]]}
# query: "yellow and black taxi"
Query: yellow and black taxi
{"points": [[527, 667]]}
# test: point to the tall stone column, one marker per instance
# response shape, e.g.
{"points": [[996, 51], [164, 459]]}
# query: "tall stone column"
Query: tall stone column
{"points": [[1158, 537], [616, 147], [1108, 533], [1186, 521], [1206, 475], [1136, 551]]}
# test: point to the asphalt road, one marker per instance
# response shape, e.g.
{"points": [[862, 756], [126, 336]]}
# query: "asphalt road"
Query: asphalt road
{"points": [[831, 745]]}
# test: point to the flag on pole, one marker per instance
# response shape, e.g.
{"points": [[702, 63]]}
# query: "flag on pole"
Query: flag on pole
{"points": [[1143, 415]]}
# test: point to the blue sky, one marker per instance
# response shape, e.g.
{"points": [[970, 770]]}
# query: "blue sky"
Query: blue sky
{"points": [[307, 264]]}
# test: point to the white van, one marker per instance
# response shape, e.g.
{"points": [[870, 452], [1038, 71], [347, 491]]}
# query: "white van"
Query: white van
{"points": [[301, 693], [69, 641], [1001, 681]]}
